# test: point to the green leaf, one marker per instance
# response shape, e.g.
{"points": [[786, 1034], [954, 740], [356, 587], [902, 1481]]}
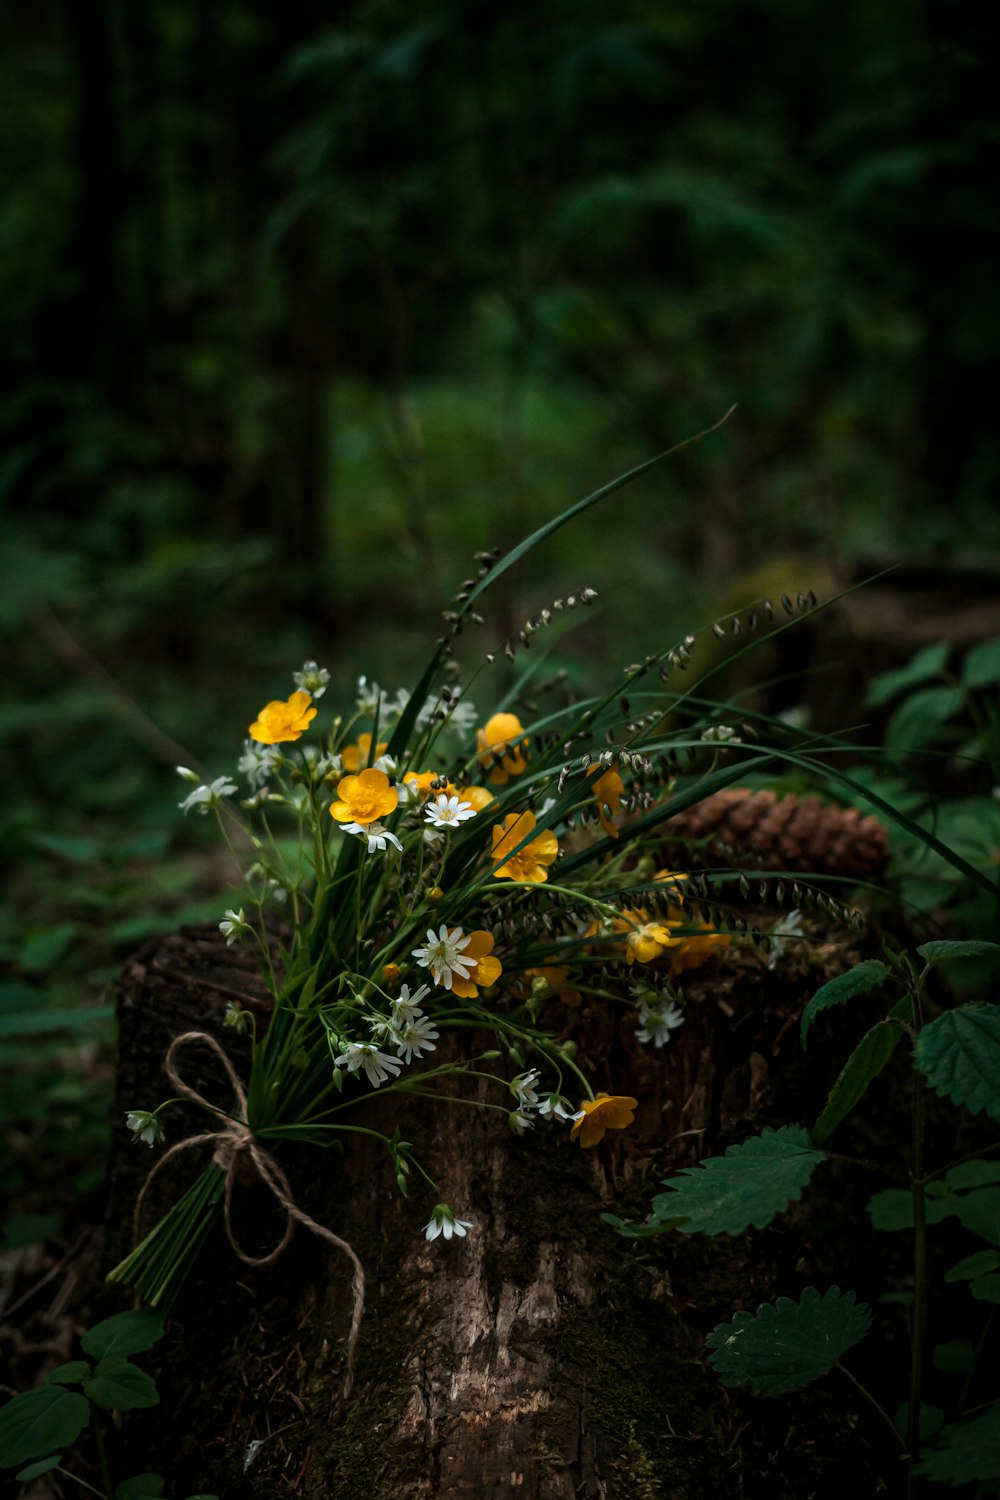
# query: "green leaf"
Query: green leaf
{"points": [[42, 1467], [68, 1374], [931, 1419], [956, 1357], [118, 1385], [41, 950], [789, 1344], [918, 718], [893, 1209], [959, 1055], [971, 1174], [864, 1064], [974, 1265], [748, 1186], [981, 667], [980, 1212], [965, 1451], [926, 664], [28, 1229], [860, 980], [630, 1231], [936, 953], [35, 1423], [140, 1487], [986, 1289], [126, 1333], [43, 1021]]}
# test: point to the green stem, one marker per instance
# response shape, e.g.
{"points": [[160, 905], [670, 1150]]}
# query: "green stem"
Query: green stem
{"points": [[103, 1456], [76, 1479], [919, 1263], [872, 1401]]}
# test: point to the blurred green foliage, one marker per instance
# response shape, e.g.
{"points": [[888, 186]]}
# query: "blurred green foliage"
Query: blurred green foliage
{"points": [[302, 307]]}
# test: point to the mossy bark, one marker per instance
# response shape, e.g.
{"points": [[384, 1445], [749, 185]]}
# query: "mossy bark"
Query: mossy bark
{"points": [[541, 1356]]}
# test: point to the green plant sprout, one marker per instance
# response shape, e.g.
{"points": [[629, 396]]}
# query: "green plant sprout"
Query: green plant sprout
{"points": [[37, 1426]]}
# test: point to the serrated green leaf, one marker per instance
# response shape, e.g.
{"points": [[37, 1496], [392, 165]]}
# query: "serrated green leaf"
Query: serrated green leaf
{"points": [[981, 667], [939, 952], [959, 1055], [68, 1374], [36, 1422], [965, 1451], [864, 1064], [970, 1174], [927, 663], [117, 1385], [42, 1467], [860, 980], [980, 1212], [748, 1186], [126, 1333], [918, 718], [789, 1344], [986, 1289], [974, 1265], [140, 1487], [893, 1209], [956, 1357]]}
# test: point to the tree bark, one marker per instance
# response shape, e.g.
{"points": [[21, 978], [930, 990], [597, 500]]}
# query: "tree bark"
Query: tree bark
{"points": [[542, 1357]]}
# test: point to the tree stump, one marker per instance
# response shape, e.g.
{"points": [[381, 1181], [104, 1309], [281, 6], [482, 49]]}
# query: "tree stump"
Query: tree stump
{"points": [[543, 1357]]}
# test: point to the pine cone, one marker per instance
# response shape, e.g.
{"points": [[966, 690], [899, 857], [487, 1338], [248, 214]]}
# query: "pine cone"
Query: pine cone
{"points": [[801, 834]]}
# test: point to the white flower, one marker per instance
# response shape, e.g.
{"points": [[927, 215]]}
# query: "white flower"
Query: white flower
{"points": [[443, 1221], [461, 715], [234, 926], [656, 1022], [236, 1018], [257, 763], [523, 1089], [415, 1037], [386, 763], [721, 734], [377, 1065], [555, 1105], [375, 833], [312, 678], [789, 927], [406, 1007], [443, 955], [448, 812], [186, 774], [144, 1126], [204, 797], [519, 1122], [328, 765]]}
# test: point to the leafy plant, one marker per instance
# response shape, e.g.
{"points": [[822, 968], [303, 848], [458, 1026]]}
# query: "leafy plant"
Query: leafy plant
{"points": [[36, 1426]]}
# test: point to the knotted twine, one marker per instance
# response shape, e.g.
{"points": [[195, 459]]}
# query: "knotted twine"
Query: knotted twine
{"points": [[236, 1148]]}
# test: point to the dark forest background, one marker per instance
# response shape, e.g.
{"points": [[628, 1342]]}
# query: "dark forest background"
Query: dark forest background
{"points": [[304, 304]]}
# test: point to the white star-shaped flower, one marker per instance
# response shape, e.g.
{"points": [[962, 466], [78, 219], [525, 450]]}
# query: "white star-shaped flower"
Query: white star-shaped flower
{"points": [[376, 834], [443, 1221], [377, 1065], [443, 955], [448, 812]]}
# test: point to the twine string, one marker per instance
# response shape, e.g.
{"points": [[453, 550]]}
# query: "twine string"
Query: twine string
{"points": [[235, 1147]]}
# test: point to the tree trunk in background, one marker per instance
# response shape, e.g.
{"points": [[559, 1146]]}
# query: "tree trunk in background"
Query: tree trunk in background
{"points": [[542, 1357]]}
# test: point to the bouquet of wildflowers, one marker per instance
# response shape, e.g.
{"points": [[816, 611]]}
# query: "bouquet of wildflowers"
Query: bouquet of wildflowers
{"points": [[451, 867]]}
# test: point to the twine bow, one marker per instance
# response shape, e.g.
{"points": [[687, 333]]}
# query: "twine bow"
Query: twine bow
{"points": [[236, 1149]]}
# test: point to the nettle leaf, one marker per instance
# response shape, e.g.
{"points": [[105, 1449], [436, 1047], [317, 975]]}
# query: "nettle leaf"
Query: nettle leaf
{"points": [[971, 1174], [864, 1064], [981, 667], [940, 952], [973, 1266], [986, 1289], [42, 1467], [118, 1385], [860, 980], [927, 663], [959, 1055], [36, 1422], [126, 1333], [956, 1357], [965, 1451], [748, 1186], [787, 1345], [68, 1374], [893, 1208], [140, 1487], [980, 1212]]}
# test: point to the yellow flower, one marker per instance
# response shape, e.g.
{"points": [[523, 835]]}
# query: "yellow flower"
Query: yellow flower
{"points": [[486, 967], [356, 757], [390, 973], [695, 951], [500, 749], [607, 790], [528, 863], [556, 975], [364, 798], [477, 797], [606, 1112], [278, 721], [421, 782], [643, 940]]}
